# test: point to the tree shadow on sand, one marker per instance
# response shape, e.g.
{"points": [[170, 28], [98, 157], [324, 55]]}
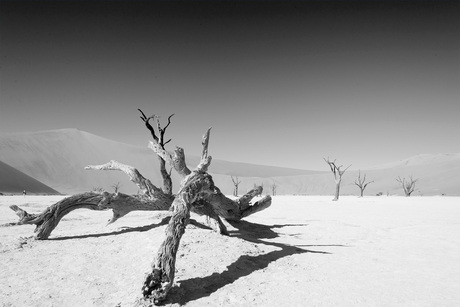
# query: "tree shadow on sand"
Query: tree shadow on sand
{"points": [[124, 230], [196, 288]]}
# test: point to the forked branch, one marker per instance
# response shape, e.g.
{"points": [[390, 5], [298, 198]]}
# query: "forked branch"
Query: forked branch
{"points": [[167, 181], [144, 184]]}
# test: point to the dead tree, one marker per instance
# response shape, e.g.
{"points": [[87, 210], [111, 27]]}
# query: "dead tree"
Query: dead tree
{"points": [[197, 193], [274, 186], [149, 198], [407, 185], [361, 183], [197, 188], [116, 187], [98, 189], [338, 173], [236, 183]]}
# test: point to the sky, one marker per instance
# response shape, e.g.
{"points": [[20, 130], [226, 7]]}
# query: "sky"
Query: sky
{"points": [[280, 83]]}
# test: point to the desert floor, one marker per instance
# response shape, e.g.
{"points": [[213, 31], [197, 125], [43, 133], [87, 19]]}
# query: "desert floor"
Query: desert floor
{"points": [[302, 251]]}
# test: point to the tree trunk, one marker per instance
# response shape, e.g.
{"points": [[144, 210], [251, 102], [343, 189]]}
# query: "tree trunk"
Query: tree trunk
{"points": [[337, 191], [48, 219], [159, 281], [167, 181], [197, 188]]}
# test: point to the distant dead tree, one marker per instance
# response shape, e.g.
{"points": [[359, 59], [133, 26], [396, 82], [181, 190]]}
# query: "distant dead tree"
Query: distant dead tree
{"points": [[116, 187], [361, 183], [407, 185], [274, 186], [236, 183], [98, 189], [338, 173]]}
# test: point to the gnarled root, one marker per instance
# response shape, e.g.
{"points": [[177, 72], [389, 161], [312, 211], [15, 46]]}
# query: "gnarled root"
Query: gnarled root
{"points": [[156, 286]]}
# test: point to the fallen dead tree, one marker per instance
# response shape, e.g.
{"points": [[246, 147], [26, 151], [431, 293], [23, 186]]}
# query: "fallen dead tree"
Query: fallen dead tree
{"points": [[150, 198], [197, 193]]}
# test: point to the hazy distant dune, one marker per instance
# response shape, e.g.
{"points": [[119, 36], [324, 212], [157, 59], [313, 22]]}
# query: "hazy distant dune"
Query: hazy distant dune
{"points": [[58, 157]]}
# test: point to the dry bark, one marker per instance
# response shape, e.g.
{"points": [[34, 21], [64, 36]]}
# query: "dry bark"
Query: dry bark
{"points": [[223, 206], [48, 219], [160, 280], [197, 187], [151, 199]]}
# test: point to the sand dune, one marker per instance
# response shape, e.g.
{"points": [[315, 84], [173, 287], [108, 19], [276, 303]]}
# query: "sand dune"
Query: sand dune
{"points": [[13, 181], [57, 158]]}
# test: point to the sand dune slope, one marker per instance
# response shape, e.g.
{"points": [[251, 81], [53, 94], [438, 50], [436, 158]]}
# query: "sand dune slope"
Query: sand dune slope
{"points": [[57, 159], [13, 181]]}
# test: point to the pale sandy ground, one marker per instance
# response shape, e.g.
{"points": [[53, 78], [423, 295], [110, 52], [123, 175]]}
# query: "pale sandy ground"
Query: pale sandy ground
{"points": [[302, 251]]}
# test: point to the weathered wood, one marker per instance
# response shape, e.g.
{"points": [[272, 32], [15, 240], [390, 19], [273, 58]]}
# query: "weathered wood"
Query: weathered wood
{"points": [[197, 193], [146, 187], [221, 204], [176, 160], [156, 198], [160, 280], [122, 204], [47, 221], [197, 188], [167, 181]]}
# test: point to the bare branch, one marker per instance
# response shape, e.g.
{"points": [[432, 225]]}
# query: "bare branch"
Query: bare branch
{"points": [[134, 175], [346, 168], [205, 143], [169, 121], [146, 120], [205, 158]]}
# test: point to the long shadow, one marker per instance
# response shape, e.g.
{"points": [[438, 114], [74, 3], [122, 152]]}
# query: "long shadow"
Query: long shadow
{"points": [[196, 288], [163, 222]]}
